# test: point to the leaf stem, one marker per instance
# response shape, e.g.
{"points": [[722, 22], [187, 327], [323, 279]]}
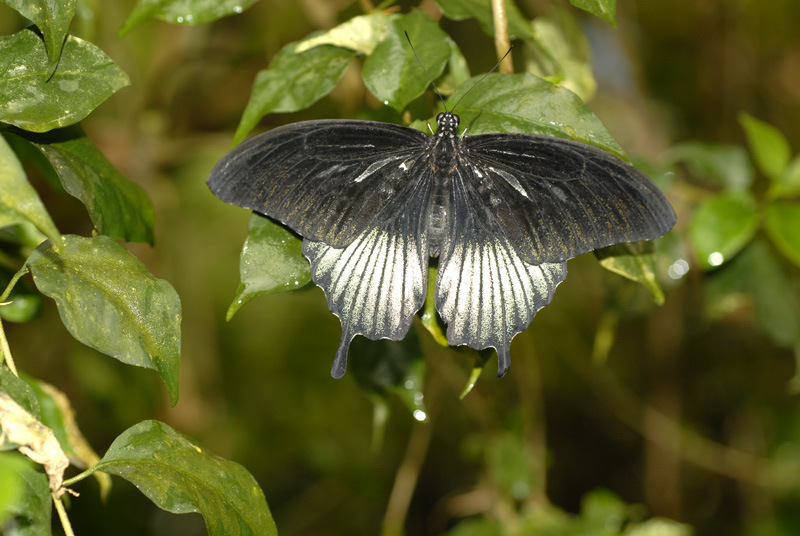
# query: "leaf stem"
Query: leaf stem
{"points": [[22, 271], [62, 515], [77, 478]]}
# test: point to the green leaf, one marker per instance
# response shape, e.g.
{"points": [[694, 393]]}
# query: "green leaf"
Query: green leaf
{"points": [[724, 165], [19, 202], [605, 9], [392, 73], [457, 70], [21, 392], [109, 301], [183, 11], [52, 18], [180, 477], [561, 51], [481, 10], [789, 183], [757, 276], [11, 485], [722, 226], [32, 99], [635, 261], [31, 508], [361, 34], [118, 207], [509, 462], [526, 103], [769, 147], [783, 226], [384, 368], [22, 304], [292, 82], [271, 261]]}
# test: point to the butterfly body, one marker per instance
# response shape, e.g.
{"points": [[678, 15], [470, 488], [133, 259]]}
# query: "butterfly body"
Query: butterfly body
{"points": [[502, 212]]}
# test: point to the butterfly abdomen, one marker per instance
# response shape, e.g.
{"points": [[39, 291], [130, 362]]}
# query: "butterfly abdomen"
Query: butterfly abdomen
{"points": [[438, 224]]}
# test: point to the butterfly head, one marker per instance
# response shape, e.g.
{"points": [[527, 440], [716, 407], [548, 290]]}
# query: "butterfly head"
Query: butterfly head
{"points": [[448, 124]]}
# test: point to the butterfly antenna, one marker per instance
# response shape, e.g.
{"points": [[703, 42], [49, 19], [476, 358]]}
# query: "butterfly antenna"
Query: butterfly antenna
{"points": [[496, 65], [426, 71]]}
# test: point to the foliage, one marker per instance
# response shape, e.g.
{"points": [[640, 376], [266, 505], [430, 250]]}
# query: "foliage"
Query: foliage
{"points": [[737, 240], [107, 298]]}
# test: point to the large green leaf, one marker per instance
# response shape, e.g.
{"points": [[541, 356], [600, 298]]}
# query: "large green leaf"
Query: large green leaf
{"points": [[723, 165], [783, 225], [757, 278], [53, 19], [561, 53], [183, 11], [361, 34], [605, 9], [722, 226], [109, 301], [31, 507], [481, 10], [118, 207], [19, 202], [292, 82], [32, 99], [529, 104], [271, 261], [393, 73], [769, 146], [181, 477]]}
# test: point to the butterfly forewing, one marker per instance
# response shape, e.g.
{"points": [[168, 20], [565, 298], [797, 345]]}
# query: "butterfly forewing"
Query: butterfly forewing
{"points": [[485, 291], [555, 199], [376, 284], [326, 180]]}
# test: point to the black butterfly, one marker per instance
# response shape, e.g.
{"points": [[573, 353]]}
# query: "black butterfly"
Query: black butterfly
{"points": [[502, 212]]}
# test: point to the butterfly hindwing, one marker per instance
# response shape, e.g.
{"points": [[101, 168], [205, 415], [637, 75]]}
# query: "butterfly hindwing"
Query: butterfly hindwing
{"points": [[326, 180], [485, 291], [555, 199], [375, 284]]}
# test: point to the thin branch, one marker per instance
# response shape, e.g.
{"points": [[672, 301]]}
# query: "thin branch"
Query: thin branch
{"points": [[405, 481], [5, 351], [502, 43], [62, 515]]}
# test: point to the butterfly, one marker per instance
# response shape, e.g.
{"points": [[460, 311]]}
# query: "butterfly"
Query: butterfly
{"points": [[502, 213]]}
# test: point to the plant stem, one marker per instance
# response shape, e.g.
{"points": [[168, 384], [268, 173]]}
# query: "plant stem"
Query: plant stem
{"points": [[62, 515], [501, 41], [5, 351], [405, 481]]}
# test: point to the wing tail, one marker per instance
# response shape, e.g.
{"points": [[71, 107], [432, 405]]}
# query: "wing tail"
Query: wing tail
{"points": [[485, 291], [376, 284]]}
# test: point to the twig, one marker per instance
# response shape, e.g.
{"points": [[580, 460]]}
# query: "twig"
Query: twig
{"points": [[6, 351], [502, 43], [405, 481], [62, 515]]}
